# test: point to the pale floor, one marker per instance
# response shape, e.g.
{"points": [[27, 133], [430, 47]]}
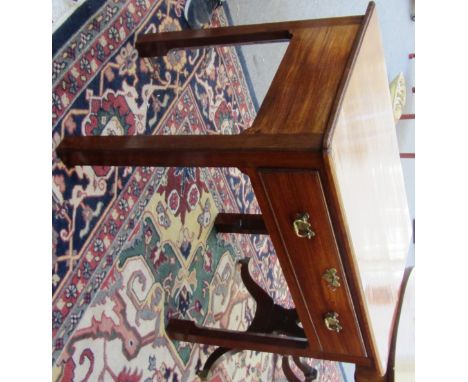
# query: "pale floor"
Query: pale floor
{"points": [[62, 9]]}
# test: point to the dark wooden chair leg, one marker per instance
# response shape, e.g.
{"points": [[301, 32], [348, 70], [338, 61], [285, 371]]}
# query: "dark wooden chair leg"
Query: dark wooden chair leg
{"points": [[310, 373], [288, 373], [213, 359], [240, 223], [269, 317], [262, 298]]}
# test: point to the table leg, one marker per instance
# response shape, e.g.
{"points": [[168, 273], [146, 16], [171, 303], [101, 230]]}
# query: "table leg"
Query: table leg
{"points": [[240, 223], [159, 44], [187, 150]]}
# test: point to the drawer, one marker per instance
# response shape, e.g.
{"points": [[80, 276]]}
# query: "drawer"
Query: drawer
{"points": [[315, 261]]}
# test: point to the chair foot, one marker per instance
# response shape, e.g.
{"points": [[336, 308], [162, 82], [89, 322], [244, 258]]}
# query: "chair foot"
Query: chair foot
{"points": [[310, 373], [213, 359]]}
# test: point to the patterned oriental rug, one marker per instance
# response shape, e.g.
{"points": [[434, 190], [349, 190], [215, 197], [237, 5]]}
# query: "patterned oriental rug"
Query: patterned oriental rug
{"points": [[133, 247]]}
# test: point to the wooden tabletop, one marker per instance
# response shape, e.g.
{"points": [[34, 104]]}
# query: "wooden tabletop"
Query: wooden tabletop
{"points": [[362, 156]]}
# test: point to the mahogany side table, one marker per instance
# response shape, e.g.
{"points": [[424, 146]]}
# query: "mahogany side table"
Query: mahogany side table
{"points": [[323, 160]]}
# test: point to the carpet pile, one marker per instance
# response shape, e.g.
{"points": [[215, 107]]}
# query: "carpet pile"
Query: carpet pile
{"points": [[134, 246]]}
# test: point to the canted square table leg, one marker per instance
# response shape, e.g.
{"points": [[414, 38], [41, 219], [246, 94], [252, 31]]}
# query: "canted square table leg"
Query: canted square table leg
{"points": [[252, 224], [240, 151], [159, 44]]}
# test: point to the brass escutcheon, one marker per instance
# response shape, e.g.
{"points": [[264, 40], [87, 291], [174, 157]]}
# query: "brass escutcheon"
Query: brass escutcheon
{"points": [[332, 323], [332, 278], [302, 227]]}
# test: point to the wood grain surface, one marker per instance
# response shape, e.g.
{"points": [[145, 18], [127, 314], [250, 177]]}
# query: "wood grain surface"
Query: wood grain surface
{"points": [[301, 191], [307, 80], [363, 162]]}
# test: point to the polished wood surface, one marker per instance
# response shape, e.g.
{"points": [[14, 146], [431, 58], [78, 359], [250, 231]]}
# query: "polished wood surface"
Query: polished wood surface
{"points": [[188, 331], [323, 142], [362, 157], [309, 259], [309, 74], [310, 373], [197, 151], [159, 44], [240, 223]]}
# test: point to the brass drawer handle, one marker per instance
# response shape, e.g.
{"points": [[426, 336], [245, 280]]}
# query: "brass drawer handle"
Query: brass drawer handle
{"points": [[332, 322], [332, 278], [302, 227]]}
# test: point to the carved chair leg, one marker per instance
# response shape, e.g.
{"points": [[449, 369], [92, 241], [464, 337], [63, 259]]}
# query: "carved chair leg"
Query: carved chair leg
{"points": [[310, 373], [288, 373], [213, 359], [261, 297], [269, 317]]}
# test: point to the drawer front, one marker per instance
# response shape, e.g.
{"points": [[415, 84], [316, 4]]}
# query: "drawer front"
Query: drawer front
{"points": [[313, 254]]}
